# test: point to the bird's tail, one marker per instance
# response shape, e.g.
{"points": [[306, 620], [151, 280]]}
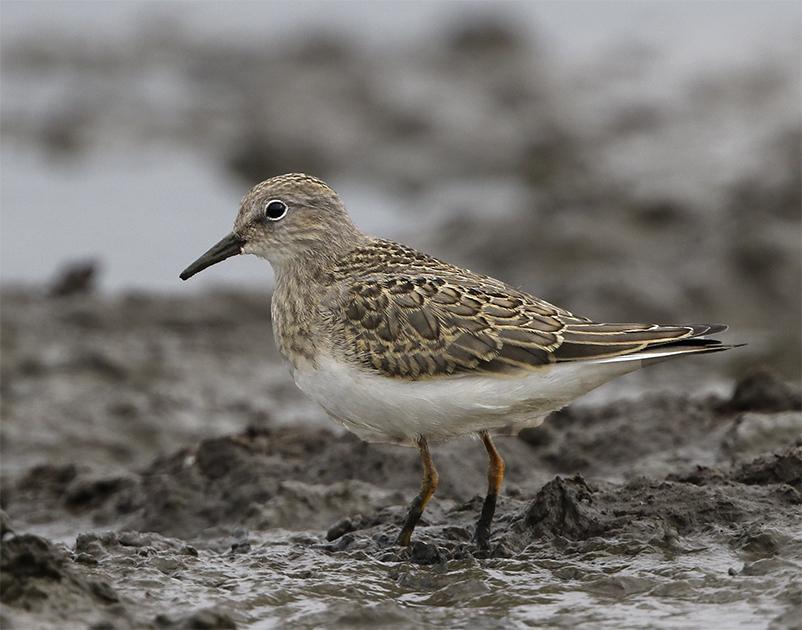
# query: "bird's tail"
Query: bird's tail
{"points": [[607, 343]]}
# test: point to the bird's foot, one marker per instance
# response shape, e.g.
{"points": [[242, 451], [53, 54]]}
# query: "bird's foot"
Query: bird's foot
{"points": [[404, 538], [482, 535], [413, 517], [481, 538]]}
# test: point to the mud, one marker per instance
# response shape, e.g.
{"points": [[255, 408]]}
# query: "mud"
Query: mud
{"points": [[673, 508]]}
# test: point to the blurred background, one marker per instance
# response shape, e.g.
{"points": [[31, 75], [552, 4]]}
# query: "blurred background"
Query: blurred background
{"points": [[626, 160]]}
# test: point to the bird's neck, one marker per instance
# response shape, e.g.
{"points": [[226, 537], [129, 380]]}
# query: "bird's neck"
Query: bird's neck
{"points": [[319, 247], [303, 283]]}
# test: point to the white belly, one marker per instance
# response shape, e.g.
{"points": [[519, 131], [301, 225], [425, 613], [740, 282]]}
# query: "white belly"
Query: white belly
{"points": [[381, 409]]}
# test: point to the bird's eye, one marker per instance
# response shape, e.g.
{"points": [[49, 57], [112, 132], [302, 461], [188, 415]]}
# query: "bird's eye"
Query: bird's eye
{"points": [[275, 209]]}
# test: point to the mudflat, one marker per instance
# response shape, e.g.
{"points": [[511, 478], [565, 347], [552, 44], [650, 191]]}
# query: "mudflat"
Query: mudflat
{"points": [[160, 470]]}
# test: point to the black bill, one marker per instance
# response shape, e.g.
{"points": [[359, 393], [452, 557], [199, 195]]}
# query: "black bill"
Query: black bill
{"points": [[230, 246]]}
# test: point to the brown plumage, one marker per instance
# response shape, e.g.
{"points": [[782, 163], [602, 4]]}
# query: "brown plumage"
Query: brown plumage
{"points": [[408, 315]]}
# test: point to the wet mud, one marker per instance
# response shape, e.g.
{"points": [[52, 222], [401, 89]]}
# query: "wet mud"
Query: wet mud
{"points": [[673, 508]]}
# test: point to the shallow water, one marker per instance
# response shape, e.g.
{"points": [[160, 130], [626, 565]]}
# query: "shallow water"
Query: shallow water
{"points": [[286, 578]]}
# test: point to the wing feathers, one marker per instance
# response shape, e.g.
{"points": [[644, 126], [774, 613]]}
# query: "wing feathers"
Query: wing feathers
{"points": [[667, 333], [424, 326], [582, 352], [598, 341]]}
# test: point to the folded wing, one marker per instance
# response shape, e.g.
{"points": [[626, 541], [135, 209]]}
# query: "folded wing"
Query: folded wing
{"points": [[426, 326]]}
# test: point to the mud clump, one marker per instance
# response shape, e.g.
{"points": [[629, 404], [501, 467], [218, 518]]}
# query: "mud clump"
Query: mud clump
{"points": [[424, 553], [38, 577], [777, 468], [206, 619], [78, 278], [25, 557], [764, 390], [652, 512], [72, 491], [260, 479], [565, 507]]}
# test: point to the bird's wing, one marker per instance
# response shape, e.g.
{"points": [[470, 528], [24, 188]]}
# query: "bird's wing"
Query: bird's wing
{"points": [[425, 326]]}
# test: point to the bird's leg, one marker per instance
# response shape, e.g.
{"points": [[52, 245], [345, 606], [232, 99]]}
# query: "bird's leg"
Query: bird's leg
{"points": [[495, 477], [427, 488]]}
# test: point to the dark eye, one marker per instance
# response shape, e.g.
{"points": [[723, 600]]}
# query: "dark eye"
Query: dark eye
{"points": [[275, 209]]}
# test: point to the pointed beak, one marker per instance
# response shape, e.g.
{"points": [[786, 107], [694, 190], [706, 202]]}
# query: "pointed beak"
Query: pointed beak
{"points": [[230, 246]]}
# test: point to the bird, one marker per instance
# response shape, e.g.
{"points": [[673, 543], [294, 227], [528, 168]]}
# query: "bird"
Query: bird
{"points": [[401, 347]]}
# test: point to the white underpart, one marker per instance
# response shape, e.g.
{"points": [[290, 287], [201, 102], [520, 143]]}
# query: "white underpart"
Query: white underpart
{"points": [[381, 409]]}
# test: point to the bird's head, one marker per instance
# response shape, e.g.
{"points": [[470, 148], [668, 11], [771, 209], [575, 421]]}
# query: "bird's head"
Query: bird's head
{"points": [[284, 219]]}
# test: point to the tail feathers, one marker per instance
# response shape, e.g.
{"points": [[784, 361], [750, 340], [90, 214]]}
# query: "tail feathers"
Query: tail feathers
{"points": [[656, 354], [606, 343], [700, 330]]}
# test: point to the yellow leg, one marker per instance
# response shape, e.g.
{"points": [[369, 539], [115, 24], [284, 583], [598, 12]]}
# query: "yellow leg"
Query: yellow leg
{"points": [[427, 488], [495, 477]]}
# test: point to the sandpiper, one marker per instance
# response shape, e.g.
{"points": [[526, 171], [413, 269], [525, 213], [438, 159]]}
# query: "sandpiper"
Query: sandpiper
{"points": [[401, 347]]}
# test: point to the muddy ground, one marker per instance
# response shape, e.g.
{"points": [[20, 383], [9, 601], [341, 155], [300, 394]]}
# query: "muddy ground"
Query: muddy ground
{"points": [[161, 471]]}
